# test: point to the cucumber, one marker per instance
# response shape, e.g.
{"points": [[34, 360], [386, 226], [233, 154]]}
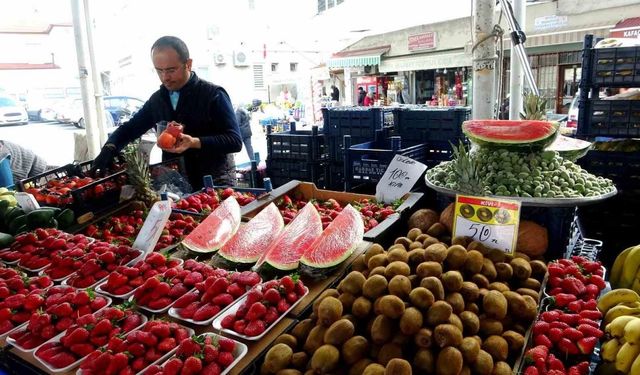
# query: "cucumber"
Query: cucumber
{"points": [[39, 218], [65, 218], [17, 223], [5, 240]]}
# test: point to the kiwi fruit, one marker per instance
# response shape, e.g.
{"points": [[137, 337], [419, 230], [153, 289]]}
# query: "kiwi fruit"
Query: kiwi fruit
{"points": [[353, 283], [460, 240], [414, 232], [469, 291], [504, 270], [358, 264], [388, 352], [327, 293], [470, 349], [521, 268], [325, 359], [329, 310], [398, 366], [398, 255], [361, 307], [411, 321], [452, 281], [435, 253], [455, 320], [500, 287], [531, 283], [379, 260], [423, 219], [449, 361], [400, 338], [437, 230], [415, 257], [488, 269], [424, 338], [302, 329], [456, 300], [429, 268], [429, 240], [278, 358], [299, 360], [377, 271], [439, 313], [501, 368], [354, 349], [339, 332], [494, 305], [480, 280], [483, 364], [447, 335], [538, 269], [382, 329], [392, 306], [434, 285], [374, 369], [514, 339], [315, 339], [489, 326], [479, 246], [289, 340], [289, 371], [497, 347], [473, 262], [456, 257], [529, 292], [421, 298], [373, 250], [424, 361], [524, 256], [470, 323], [400, 286], [496, 256], [374, 287], [358, 367], [472, 307], [404, 241], [397, 268]]}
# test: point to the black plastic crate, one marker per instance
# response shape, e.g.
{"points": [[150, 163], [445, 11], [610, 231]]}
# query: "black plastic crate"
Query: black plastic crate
{"points": [[307, 145], [357, 121], [431, 124], [611, 118], [69, 170], [334, 176], [367, 162], [335, 145], [623, 168], [283, 171], [615, 66], [436, 153]]}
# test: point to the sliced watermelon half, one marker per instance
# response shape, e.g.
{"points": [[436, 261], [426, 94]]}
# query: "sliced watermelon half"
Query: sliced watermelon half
{"points": [[525, 134], [255, 237], [216, 229], [337, 243], [570, 148], [296, 238]]}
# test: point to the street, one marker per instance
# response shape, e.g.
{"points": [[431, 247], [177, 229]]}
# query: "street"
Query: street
{"points": [[54, 141]]}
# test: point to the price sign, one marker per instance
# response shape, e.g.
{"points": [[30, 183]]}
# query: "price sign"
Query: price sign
{"points": [[27, 201], [152, 227], [400, 176], [493, 222]]}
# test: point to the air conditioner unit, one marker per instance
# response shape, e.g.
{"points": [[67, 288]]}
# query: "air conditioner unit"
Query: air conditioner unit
{"points": [[219, 58], [241, 57]]}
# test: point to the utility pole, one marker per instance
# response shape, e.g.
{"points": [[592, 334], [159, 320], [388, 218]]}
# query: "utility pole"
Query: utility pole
{"points": [[516, 80], [484, 60], [89, 105], [95, 76]]}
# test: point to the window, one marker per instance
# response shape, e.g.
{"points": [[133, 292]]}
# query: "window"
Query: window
{"points": [[274, 67], [293, 67], [258, 77], [322, 6]]}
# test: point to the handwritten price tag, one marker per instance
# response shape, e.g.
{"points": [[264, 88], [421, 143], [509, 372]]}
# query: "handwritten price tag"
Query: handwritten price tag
{"points": [[493, 222], [400, 176], [27, 201]]}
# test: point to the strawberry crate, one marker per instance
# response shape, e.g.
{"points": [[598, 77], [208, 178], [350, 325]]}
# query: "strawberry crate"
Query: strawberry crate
{"points": [[295, 144]]}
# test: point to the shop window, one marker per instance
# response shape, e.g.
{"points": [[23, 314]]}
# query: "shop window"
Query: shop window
{"points": [[322, 6], [274, 67], [293, 67]]}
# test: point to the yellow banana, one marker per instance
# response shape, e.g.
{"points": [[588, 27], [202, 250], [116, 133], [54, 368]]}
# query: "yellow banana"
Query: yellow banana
{"points": [[630, 268], [626, 356], [632, 332], [616, 327], [609, 350], [620, 310], [616, 296], [635, 366], [618, 264]]}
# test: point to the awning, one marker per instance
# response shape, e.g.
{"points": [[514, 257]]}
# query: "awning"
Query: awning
{"points": [[354, 58], [425, 61], [561, 37], [627, 28]]}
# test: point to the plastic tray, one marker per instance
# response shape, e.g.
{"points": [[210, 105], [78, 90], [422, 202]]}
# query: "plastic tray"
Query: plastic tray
{"points": [[44, 273], [78, 362], [236, 305], [3, 336], [36, 270], [127, 295], [159, 311], [238, 353], [18, 347]]}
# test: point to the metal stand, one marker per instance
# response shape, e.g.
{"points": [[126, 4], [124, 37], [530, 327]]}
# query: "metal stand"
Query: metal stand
{"points": [[518, 38]]}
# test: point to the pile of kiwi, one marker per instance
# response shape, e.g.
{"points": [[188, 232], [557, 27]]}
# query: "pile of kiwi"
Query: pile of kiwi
{"points": [[420, 306]]}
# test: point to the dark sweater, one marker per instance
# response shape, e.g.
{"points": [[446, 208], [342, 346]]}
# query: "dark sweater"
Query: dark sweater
{"points": [[206, 112]]}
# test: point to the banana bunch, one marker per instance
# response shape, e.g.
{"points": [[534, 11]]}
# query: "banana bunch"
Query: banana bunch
{"points": [[625, 272], [622, 350], [7, 196], [619, 303]]}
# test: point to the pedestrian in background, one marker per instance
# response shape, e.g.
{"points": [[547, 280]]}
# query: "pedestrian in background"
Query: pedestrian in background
{"points": [[368, 100], [361, 95], [244, 122], [335, 93]]}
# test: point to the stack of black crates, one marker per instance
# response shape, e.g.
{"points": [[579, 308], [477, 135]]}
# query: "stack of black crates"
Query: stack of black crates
{"points": [[296, 155], [616, 221]]}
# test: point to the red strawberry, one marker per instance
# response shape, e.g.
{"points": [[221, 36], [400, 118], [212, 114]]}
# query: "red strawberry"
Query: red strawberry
{"points": [[239, 326], [572, 334], [300, 288], [542, 339], [152, 355], [590, 322], [590, 331], [186, 299], [272, 296], [537, 354], [555, 363], [587, 344], [567, 347], [271, 316], [563, 299], [188, 311], [283, 306], [254, 328], [210, 353], [33, 301], [256, 311], [173, 366], [205, 312], [161, 330], [288, 284], [227, 321], [167, 345], [192, 365], [77, 336], [226, 344], [103, 327], [575, 306], [550, 316], [540, 327], [590, 314], [62, 359], [573, 286], [180, 334], [597, 281], [82, 349], [570, 319], [555, 335], [236, 290], [136, 349], [531, 370], [98, 303], [225, 359], [223, 300], [211, 369]]}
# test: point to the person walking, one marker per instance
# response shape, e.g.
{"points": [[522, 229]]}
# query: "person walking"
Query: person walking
{"points": [[244, 122], [361, 95], [335, 93]]}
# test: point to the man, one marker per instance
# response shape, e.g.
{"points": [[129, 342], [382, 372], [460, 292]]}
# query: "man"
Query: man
{"points": [[24, 162], [244, 122], [361, 96], [210, 135], [335, 93]]}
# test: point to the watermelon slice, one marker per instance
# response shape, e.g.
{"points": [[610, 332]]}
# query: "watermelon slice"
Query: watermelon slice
{"points": [[216, 229], [526, 134], [335, 245], [285, 253], [570, 148], [255, 237]]}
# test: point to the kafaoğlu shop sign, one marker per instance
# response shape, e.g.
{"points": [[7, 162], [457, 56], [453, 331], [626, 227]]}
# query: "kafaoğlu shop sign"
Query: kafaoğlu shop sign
{"points": [[422, 41]]}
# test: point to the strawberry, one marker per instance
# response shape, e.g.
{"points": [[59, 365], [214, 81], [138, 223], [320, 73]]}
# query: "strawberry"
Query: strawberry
{"points": [[570, 319], [272, 296], [226, 344], [590, 331], [173, 366], [542, 339], [235, 290], [189, 311], [590, 314], [256, 311], [62, 359], [574, 370], [225, 359], [98, 303], [597, 281], [205, 312], [587, 344], [239, 326], [210, 353], [136, 349], [211, 369], [254, 328], [33, 302], [152, 355], [103, 327], [537, 355], [82, 349], [288, 284], [77, 336], [555, 334], [180, 334], [138, 364], [186, 299], [161, 330], [159, 303], [575, 306], [563, 299], [540, 327], [583, 367], [573, 286], [222, 300], [590, 322], [283, 306], [555, 363], [572, 334], [271, 316], [167, 344], [253, 296], [567, 347], [550, 316], [227, 321]]}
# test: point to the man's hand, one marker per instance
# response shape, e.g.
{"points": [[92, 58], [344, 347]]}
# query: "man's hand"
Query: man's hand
{"points": [[103, 161], [184, 143]]}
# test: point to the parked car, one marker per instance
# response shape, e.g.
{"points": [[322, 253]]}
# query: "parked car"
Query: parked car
{"points": [[43, 111], [122, 107], [72, 112], [11, 112]]}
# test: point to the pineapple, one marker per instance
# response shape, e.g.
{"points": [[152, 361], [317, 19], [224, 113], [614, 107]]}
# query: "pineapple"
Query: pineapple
{"points": [[139, 176], [534, 107], [466, 170]]}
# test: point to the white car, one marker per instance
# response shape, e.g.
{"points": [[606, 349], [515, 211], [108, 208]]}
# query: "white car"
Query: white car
{"points": [[72, 112], [12, 113]]}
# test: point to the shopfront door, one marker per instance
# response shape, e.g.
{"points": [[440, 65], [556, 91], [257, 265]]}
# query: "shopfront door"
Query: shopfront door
{"points": [[568, 82]]}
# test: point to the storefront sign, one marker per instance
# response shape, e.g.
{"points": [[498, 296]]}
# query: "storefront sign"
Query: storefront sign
{"points": [[422, 41], [627, 28], [493, 222], [550, 22], [425, 61], [399, 178]]}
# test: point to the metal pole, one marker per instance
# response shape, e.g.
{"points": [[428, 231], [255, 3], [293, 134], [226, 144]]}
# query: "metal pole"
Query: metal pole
{"points": [[484, 60], [88, 103], [516, 79], [95, 76]]}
